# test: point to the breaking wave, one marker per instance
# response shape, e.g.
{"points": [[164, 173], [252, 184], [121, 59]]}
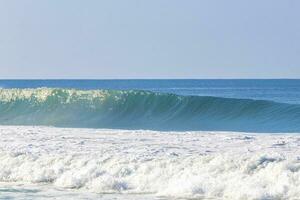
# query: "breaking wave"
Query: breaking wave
{"points": [[143, 110]]}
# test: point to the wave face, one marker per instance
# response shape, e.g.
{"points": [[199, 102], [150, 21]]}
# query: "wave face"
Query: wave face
{"points": [[143, 110]]}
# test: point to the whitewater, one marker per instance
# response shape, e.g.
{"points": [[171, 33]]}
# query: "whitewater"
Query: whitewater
{"points": [[39, 162]]}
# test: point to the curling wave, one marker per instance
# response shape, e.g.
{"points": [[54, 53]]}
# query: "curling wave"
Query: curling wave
{"points": [[143, 110]]}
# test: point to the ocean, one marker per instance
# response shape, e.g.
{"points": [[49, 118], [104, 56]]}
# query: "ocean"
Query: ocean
{"points": [[149, 139], [278, 90]]}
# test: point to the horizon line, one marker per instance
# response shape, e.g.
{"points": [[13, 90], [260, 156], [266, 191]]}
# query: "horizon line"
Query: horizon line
{"points": [[250, 78]]}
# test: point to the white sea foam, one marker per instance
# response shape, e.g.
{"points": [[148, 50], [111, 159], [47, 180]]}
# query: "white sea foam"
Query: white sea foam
{"points": [[41, 94], [165, 164]]}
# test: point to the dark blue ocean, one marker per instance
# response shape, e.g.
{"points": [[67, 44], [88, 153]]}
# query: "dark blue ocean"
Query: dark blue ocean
{"points": [[167, 105]]}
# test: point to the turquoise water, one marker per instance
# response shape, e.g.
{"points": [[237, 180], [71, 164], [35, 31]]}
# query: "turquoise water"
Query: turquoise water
{"points": [[280, 90], [177, 105]]}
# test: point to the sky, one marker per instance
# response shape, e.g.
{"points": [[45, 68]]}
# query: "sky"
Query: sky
{"points": [[116, 39]]}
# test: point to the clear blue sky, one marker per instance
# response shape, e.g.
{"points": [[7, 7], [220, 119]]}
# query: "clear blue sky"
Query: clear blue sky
{"points": [[149, 39]]}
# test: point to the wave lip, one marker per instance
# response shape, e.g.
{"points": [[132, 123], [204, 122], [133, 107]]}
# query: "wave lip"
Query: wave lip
{"points": [[143, 110]]}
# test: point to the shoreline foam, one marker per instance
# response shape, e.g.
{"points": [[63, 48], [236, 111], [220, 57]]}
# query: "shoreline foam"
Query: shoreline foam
{"points": [[223, 165]]}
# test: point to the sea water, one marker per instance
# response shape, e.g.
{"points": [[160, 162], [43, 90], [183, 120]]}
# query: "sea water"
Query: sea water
{"points": [[280, 90], [149, 139]]}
